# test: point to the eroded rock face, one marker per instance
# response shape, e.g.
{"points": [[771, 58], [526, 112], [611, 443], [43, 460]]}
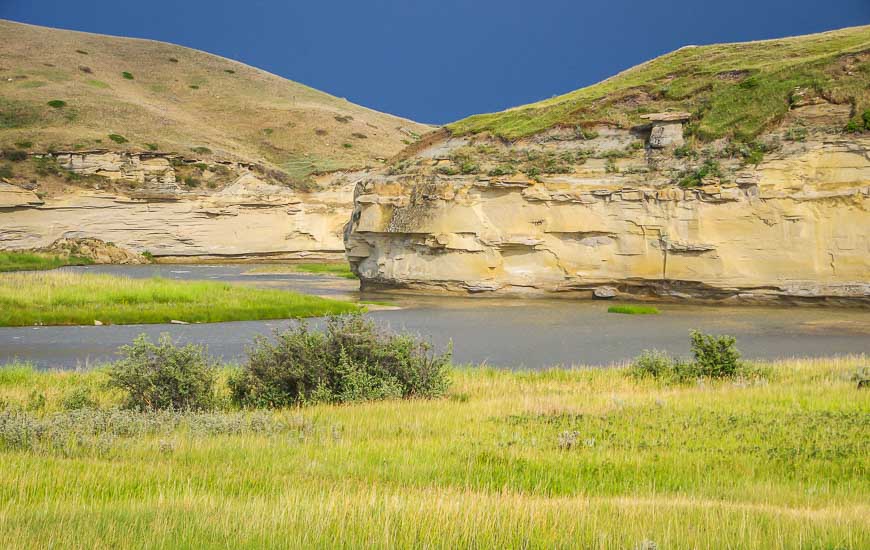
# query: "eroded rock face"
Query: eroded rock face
{"points": [[245, 217], [795, 226]]}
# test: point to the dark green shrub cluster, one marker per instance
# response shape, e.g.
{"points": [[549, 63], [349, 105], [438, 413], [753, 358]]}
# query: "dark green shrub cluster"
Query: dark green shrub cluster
{"points": [[117, 138], [857, 125], [128, 76], [164, 376], [57, 103], [352, 360], [714, 357], [695, 178], [191, 181], [15, 155]]}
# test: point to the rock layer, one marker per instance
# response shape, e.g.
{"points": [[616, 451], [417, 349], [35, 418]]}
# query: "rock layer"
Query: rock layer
{"points": [[137, 202], [794, 226]]}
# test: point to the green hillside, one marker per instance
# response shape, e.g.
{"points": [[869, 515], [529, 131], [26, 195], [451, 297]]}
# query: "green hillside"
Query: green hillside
{"points": [[732, 90]]}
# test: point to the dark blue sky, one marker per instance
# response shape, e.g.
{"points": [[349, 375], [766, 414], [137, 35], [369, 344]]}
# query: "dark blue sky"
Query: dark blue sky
{"points": [[440, 60]]}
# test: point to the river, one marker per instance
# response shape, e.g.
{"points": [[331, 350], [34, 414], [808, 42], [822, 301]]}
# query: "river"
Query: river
{"points": [[511, 333]]}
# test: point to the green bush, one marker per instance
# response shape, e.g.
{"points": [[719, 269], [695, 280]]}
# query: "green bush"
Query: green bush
{"points": [[128, 76], [57, 103], [866, 118], [164, 376], [695, 178], [151, 146], [714, 357], [351, 360], [661, 366], [201, 150], [190, 181], [14, 155], [24, 144], [117, 138], [79, 398], [6, 171]]}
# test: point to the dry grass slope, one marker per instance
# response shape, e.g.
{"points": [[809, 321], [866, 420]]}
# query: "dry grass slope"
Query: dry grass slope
{"points": [[158, 95]]}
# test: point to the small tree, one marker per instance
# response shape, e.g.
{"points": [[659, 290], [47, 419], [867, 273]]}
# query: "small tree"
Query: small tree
{"points": [[164, 376], [715, 356]]}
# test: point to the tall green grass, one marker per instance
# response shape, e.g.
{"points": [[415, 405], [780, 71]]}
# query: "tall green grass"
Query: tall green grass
{"points": [[588, 458], [633, 309], [28, 261], [337, 269], [60, 298]]}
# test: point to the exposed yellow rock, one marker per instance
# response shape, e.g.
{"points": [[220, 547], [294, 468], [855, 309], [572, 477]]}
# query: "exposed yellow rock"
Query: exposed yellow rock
{"points": [[795, 226]]}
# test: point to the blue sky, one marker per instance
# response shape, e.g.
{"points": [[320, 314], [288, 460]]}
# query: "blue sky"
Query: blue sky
{"points": [[440, 60]]}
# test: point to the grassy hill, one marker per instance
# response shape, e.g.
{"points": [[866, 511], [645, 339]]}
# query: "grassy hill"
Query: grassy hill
{"points": [[732, 90], [70, 90]]}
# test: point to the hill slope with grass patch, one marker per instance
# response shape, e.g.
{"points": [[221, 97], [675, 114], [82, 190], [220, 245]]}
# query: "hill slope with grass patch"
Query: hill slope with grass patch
{"points": [[67, 90], [730, 89]]}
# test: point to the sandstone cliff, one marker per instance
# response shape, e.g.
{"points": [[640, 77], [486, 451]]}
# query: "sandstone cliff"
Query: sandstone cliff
{"points": [[175, 208], [641, 203]]}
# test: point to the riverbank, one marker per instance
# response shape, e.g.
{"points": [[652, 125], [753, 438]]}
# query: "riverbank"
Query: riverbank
{"points": [[67, 298], [32, 261], [557, 458]]}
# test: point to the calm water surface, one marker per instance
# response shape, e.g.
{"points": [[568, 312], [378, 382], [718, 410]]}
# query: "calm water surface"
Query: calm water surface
{"points": [[512, 333]]}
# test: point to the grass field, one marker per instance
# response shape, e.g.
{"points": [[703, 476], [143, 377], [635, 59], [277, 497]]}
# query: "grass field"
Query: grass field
{"points": [[337, 269], [61, 298], [584, 458], [28, 261]]}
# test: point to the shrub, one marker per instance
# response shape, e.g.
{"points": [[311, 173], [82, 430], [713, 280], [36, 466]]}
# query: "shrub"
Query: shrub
{"points": [[57, 103], [229, 71], [164, 376], [796, 134], [347, 145], [79, 398], [715, 356], [852, 127], [128, 76], [151, 146], [190, 181], [661, 366], [351, 360], [201, 150], [6, 171], [695, 178], [14, 156], [117, 138], [24, 144], [866, 118], [194, 87]]}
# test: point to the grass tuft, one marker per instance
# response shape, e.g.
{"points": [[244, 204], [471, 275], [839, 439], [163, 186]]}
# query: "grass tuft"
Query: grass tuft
{"points": [[633, 309]]}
